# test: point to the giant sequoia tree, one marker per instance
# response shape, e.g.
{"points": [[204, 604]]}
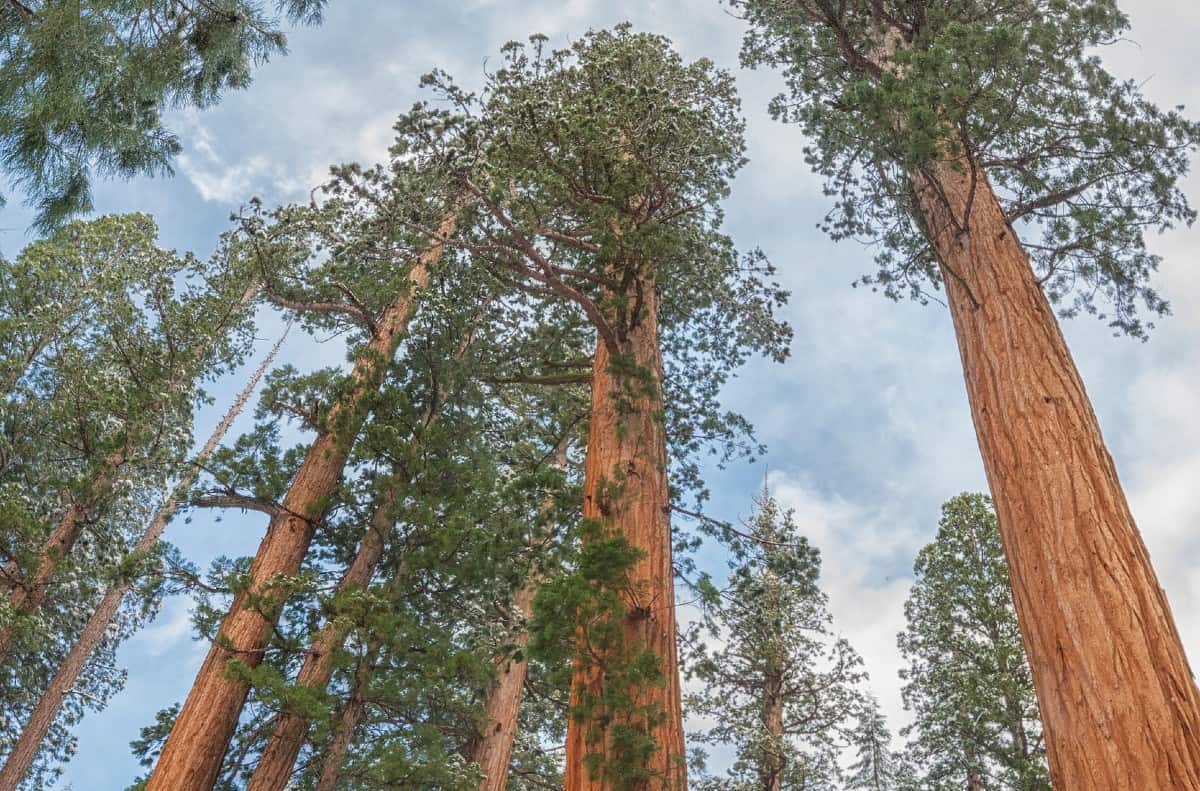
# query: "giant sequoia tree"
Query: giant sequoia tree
{"points": [[348, 264], [84, 85], [598, 182], [975, 717], [987, 150]]}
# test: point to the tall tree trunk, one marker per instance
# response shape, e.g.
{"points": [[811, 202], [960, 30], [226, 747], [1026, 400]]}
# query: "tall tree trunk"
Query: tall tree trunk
{"points": [[29, 742], [343, 737], [493, 748], [1118, 701], [278, 758], [770, 772], [627, 448], [191, 758]]}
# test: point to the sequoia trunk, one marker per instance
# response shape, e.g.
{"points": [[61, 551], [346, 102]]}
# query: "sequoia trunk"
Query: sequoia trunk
{"points": [[192, 755], [343, 737], [493, 748], [1117, 698], [625, 490], [20, 758], [278, 758]]}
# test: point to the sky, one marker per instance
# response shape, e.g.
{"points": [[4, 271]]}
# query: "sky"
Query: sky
{"points": [[867, 422]]}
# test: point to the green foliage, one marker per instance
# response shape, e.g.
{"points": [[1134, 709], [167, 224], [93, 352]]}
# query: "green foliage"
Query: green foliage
{"points": [[782, 690], [107, 339], [592, 603], [598, 171], [1083, 165], [84, 85], [876, 767], [968, 683]]}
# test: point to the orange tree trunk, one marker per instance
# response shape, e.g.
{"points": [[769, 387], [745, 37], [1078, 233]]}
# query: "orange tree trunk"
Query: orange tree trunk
{"points": [[625, 491], [343, 737], [494, 746], [1117, 698], [278, 758], [191, 758], [20, 758]]}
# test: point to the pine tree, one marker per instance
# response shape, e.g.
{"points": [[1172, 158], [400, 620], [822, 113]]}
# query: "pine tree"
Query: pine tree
{"points": [[876, 766], [84, 85], [782, 689], [968, 683], [988, 152]]}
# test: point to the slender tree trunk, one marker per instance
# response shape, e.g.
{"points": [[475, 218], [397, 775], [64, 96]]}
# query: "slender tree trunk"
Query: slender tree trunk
{"points": [[770, 775], [29, 594], [191, 758], [627, 448], [278, 758], [493, 748], [21, 757], [339, 748], [1118, 701]]}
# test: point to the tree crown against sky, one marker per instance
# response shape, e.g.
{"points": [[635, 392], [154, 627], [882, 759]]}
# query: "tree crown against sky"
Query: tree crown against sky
{"points": [[782, 689], [84, 85], [1083, 164], [598, 166]]}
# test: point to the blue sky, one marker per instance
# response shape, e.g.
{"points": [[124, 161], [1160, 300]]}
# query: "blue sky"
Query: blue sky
{"points": [[867, 423]]}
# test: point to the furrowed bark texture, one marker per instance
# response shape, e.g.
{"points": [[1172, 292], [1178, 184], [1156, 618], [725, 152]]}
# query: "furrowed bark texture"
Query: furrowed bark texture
{"points": [[1118, 701], [339, 748], [278, 758], [191, 758], [627, 446], [493, 747], [21, 757]]}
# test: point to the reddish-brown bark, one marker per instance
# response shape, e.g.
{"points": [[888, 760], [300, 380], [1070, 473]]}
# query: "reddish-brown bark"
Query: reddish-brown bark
{"points": [[21, 757], [1117, 698], [192, 755], [493, 748], [278, 758], [343, 737], [627, 447]]}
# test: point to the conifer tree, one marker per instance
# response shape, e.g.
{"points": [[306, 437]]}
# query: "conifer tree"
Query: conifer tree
{"points": [[98, 414], [967, 682], [84, 85], [350, 264], [782, 690], [986, 150], [876, 766], [597, 185], [24, 750]]}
